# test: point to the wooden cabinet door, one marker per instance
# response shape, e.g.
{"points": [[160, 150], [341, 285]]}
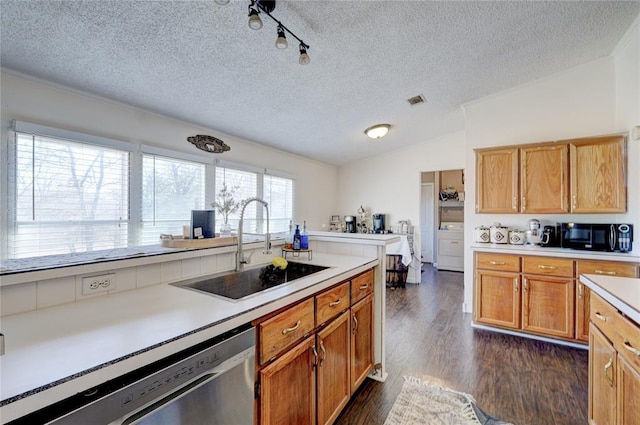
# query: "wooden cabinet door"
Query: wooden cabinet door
{"points": [[497, 299], [602, 377], [288, 387], [361, 341], [598, 171], [334, 383], [497, 181], [548, 305], [583, 296], [628, 393], [544, 179]]}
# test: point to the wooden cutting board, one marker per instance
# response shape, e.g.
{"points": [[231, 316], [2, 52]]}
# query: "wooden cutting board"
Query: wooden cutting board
{"points": [[199, 243]]}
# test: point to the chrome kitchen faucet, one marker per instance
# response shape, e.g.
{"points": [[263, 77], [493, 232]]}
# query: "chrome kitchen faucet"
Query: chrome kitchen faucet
{"points": [[240, 260]]}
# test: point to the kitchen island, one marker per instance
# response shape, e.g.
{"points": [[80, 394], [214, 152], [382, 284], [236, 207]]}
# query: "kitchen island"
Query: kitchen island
{"points": [[614, 349], [56, 352]]}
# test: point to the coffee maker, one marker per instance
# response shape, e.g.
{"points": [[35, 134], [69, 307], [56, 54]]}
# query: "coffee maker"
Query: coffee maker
{"points": [[378, 223], [350, 224]]}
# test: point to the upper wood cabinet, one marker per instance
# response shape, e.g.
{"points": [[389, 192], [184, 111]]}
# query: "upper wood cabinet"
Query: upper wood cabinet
{"points": [[497, 181], [544, 179], [598, 168], [571, 176]]}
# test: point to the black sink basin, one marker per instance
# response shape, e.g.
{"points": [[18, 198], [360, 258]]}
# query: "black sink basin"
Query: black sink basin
{"points": [[238, 285]]}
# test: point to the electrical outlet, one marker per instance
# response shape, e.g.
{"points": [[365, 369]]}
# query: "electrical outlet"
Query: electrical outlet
{"points": [[97, 284]]}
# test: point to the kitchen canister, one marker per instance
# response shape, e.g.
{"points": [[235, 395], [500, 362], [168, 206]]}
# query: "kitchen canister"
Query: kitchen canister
{"points": [[481, 234], [516, 237], [498, 233]]}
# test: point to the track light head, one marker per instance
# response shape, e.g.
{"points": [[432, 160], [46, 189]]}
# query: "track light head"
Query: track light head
{"points": [[222, 2], [281, 41], [304, 57], [255, 23]]}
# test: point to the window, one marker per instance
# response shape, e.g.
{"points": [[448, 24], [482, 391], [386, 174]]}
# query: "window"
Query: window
{"points": [[171, 188], [73, 193], [68, 197], [276, 191]]}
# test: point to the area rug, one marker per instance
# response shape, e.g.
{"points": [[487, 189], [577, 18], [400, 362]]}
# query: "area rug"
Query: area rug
{"points": [[423, 402]]}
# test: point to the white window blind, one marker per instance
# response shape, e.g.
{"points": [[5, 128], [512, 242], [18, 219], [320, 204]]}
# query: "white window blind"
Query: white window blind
{"points": [[278, 192], [171, 188], [243, 185], [68, 197]]}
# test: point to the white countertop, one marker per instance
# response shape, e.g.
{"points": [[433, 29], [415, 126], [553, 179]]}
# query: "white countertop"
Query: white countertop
{"points": [[101, 338], [621, 292], [555, 252]]}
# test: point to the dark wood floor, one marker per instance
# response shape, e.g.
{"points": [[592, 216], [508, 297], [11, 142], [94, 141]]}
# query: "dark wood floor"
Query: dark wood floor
{"points": [[514, 379]]}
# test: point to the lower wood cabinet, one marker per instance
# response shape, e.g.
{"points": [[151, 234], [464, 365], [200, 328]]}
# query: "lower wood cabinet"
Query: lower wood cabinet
{"points": [[361, 341], [547, 305], [308, 369], [602, 375], [334, 383], [497, 299], [614, 366], [538, 295], [288, 387]]}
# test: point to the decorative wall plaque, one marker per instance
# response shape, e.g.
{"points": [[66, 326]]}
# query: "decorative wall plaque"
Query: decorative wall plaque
{"points": [[209, 143]]}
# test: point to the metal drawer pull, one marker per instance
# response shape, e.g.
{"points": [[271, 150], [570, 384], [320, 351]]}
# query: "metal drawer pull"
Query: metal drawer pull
{"points": [[335, 303], [605, 272], [629, 347], [607, 367], [580, 291], [355, 322], [287, 330], [515, 280], [542, 266], [454, 242], [363, 287], [324, 353], [600, 316], [525, 284], [497, 263], [315, 357]]}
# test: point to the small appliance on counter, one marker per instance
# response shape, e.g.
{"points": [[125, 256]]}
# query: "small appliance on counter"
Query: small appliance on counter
{"points": [[533, 236], [378, 223], [597, 237], [350, 224], [550, 237]]}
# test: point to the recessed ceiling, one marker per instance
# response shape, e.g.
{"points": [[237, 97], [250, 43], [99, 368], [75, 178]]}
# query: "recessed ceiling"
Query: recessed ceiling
{"points": [[199, 61]]}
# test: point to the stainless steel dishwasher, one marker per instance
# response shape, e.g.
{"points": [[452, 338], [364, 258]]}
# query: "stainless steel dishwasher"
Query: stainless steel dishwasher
{"points": [[210, 383]]}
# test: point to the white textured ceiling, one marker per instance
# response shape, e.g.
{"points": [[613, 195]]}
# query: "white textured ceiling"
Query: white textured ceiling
{"points": [[198, 61]]}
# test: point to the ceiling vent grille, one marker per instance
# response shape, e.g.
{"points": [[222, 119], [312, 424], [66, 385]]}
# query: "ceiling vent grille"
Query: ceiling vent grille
{"points": [[416, 100]]}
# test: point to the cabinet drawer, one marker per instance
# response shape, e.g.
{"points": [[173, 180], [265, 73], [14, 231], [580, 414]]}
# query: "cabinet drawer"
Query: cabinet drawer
{"points": [[608, 268], [453, 247], [627, 341], [330, 303], [502, 262], [285, 329], [547, 266], [603, 315], [361, 286]]}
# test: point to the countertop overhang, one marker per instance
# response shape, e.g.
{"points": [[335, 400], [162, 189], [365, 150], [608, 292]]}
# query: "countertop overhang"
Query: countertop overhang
{"points": [[555, 252], [621, 292], [54, 353]]}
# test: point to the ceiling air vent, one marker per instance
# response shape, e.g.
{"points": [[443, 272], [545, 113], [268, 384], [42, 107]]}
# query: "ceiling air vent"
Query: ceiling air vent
{"points": [[416, 100]]}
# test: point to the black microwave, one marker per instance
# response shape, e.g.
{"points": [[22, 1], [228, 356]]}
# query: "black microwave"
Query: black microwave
{"points": [[596, 237]]}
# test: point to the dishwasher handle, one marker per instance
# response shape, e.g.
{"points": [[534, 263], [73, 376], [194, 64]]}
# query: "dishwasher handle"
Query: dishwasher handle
{"points": [[196, 383]]}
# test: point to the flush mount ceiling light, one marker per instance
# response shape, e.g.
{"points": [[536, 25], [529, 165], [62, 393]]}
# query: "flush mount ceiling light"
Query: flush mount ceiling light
{"points": [[377, 131], [255, 23]]}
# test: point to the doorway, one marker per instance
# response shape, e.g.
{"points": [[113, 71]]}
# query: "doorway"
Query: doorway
{"points": [[427, 208]]}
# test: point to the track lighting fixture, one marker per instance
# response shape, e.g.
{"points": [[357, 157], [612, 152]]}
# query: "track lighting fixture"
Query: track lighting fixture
{"points": [[281, 41], [255, 23], [304, 57]]}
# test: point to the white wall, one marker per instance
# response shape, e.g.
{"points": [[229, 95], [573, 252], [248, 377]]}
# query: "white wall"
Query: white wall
{"points": [[390, 183], [43, 103]]}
